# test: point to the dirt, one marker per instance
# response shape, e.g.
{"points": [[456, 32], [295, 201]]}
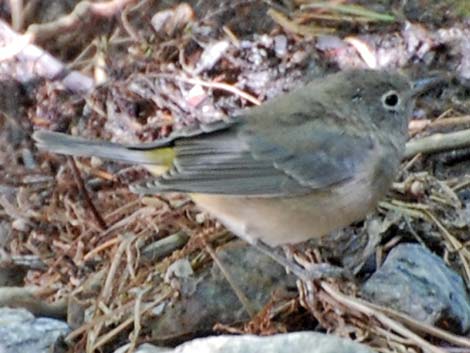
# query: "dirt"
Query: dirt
{"points": [[43, 211]]}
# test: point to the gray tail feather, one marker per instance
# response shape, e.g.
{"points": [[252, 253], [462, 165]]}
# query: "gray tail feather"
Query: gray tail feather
{"points": [[77, 146]]}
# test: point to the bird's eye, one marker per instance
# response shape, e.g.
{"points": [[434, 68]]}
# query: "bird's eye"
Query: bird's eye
{"points": [[391, 100]]}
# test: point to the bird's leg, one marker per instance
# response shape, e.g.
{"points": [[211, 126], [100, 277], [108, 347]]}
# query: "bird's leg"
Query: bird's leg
{"points": [[314, 271]]}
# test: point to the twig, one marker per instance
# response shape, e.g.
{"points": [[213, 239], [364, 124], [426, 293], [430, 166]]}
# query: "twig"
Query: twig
{"points": [[423, 212], [81, 185], [42, 63], [423, 327], [100, 248], [83, 10], [354, 10], [107, 288], [216, 85], [396, 326], [291, 26], [419, 125], [108, 317], [451, 121], [137, 319], [165, 246], [438, 143], [115, 331], [456, 244], [128, 27], [27, 297], [13, 212], [461, 185], [416, 126], [138, 213], [17, 14], [364, 50]]}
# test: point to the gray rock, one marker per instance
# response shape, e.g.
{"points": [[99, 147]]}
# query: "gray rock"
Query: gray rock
{"points": [[297, 342], [11, 275], [212, 300], [20, 331], [416, 282]]}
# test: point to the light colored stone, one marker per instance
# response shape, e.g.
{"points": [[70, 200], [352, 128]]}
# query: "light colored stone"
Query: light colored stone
{"points": [[20, 331], [297, 342], [418, 283]]}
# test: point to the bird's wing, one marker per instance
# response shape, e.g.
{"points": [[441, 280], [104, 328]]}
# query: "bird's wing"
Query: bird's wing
{"points": [[263, 160]]}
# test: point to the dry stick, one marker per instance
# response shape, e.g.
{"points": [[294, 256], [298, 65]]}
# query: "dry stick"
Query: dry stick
{"points": [[107, 317], [456, 244], [216, 85], [418, 211], [12, 211], [128, 26], [291, 26], [137, 320], [100, 248], [107, 288], [81, 185], [44, 65], [106, 292], [69, 22], [416, 126], [396, 326], [141, 212], [438, 143], [450, 121], [461, 185], [17, 14], [364, 50], [221, 86], [420, 125], [422, 327], [115, 331], [28, 298]]}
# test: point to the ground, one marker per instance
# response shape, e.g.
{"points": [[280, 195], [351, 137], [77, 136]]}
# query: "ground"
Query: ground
{"points": [[159, 66]]}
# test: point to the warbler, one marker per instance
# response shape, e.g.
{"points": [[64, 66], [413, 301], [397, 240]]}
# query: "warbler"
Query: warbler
{"points": [[294, 168]]}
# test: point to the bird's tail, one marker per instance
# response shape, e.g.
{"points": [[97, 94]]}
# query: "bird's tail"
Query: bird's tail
{"points": [[77, 146]]}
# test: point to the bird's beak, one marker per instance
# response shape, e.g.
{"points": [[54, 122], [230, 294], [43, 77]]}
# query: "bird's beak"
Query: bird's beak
{"points": [[423, 85]]}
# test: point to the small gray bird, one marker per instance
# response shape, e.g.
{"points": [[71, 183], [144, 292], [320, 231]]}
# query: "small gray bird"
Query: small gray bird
{"points": [[295, 168]]}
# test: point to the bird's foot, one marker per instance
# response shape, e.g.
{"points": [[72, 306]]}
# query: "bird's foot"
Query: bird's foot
{"points": [[308, 272]]}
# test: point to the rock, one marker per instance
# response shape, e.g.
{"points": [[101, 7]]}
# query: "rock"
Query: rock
{"points": [[280, 45], [211, 55], [458, 41], [20, 331], [212, 300], [416, 282], [170, 21], [11, 275], [297, 342]]}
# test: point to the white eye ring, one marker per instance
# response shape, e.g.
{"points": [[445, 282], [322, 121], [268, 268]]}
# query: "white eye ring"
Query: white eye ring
{"points": [[391, 100]]}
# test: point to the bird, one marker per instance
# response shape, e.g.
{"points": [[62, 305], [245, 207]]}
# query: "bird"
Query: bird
{"points": [[297, 167]]}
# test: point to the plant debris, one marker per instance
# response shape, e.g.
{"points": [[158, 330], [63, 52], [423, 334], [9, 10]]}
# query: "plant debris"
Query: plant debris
{"points": [[136, 70]]}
